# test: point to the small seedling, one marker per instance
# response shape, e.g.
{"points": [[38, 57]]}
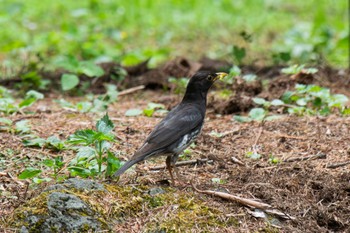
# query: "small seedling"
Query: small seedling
{"points": [[8, 104], [296, 69], [274, 160], [218, 181], [149, 111], [180, 84], [256, 114], [253, 155], [93, 150]]}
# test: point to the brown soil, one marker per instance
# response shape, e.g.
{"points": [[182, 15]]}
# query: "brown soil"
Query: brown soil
{"points": [[317, 196]]}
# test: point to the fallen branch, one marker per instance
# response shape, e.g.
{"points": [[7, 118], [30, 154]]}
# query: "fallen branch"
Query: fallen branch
{"points": [[311, 157], [336, 165], [241, 200], [183, 163], [131, 90], [247, 202], [235, 160]]}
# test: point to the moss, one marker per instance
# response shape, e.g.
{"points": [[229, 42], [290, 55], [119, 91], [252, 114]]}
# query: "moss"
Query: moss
{"points": [[171, 211]]}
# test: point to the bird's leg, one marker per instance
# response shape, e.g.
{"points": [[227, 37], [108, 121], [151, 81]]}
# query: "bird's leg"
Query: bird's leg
{"points": [[169, 167]]}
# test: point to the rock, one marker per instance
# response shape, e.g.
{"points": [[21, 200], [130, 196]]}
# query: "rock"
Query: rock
{"points": [[59, 209]]}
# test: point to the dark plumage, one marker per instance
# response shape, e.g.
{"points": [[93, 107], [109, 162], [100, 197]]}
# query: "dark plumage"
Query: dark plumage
{"points": [[180, 127]]}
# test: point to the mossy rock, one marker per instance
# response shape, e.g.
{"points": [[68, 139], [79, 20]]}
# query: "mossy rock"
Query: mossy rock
{"points": [[86, 206]]}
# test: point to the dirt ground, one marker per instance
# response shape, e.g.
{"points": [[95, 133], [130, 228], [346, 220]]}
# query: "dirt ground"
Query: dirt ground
{"points": [[315, 191]]}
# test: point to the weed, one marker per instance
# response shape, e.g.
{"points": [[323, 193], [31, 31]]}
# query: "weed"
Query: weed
{"points": [[93, 148], [180, 84]]}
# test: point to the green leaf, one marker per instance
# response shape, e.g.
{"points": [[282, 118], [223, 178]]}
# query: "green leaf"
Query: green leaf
{"points": [[257, 114], [234, 71], [84, 106], [90, 69], [148, 112], [259, 101], [29, 173], [104, 125], [249, 78], [301, 102], [34, 94], [35, 142], [113, 163], [5, 121], [85, 137], [38, 180], [294, 69], [215, 134], [155, 106], [26, 102], [273, 117], [133, 112], [218, 181], [80, 171], [346, 112], [69, 81], [55, 142], [49, 162], [253, 155], [242, 118], [22, 126], [286, 97], [277, 102], [239, 53], [85, 152]]}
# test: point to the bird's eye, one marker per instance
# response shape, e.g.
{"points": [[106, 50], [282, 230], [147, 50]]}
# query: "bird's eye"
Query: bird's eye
{"points": [[210, 78]]}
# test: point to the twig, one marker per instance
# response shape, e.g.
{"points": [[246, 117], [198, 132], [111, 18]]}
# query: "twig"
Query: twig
{"points": [[183, 163], [310, 157], [258, 137], [235, 160], [131, 90], [336, 165], [245, 201], [241, 200]]}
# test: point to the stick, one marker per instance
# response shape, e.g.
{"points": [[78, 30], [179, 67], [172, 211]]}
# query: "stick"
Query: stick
{"points": [[310, 157], [336, 165], [241, 200], [245, 201], [258, 137], [183, 163], [235, 160], [131, 90]]}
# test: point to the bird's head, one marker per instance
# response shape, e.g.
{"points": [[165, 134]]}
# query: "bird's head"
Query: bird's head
{"points": [[200, 84], [203, 80]]}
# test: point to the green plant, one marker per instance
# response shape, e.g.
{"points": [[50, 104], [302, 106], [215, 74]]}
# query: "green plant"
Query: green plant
{"points": [[75, 67], [8, 104], [93, 148], [94, 104], [253, 155], [313, 99], [51, 142], [218, 181], [152, 108], [180, 84], [274, 159], [56, 164], [234, 71], [149, 111], [238, 53], [295, 69], [256, 114]]}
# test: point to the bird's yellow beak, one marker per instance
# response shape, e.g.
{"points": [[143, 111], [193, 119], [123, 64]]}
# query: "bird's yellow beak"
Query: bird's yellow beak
{"points": [[220, 75]]}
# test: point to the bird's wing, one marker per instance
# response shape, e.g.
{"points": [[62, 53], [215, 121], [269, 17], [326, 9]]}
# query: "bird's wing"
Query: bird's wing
{"points": [[180, 121]]}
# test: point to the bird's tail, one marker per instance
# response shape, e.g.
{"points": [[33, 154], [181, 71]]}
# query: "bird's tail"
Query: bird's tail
{"points": [[126, 166]]}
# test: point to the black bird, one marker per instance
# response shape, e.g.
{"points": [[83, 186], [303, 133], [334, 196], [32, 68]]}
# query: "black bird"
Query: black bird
{"points": [[180, 127]]}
